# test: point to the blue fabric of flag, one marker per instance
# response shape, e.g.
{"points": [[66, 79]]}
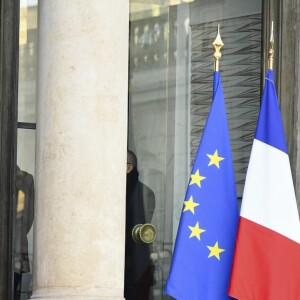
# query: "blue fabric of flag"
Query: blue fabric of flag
{"points": [[270, 128], [203, 252]]}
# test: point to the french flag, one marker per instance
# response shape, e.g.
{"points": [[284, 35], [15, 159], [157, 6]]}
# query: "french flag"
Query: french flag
{"points": [[266, 264]]}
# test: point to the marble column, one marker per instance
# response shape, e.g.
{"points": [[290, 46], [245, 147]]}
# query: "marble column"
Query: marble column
{"points": [[79, 233]]}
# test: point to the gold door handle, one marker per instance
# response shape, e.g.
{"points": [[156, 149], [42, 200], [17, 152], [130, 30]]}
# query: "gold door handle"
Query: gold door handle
{"points": [[144, 233]]}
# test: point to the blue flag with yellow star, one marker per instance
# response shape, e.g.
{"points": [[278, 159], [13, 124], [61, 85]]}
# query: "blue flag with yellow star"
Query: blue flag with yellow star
{"points": [[203, 253]]}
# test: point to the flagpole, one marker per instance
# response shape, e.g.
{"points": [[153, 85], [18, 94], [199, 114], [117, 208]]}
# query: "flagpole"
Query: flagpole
{"points": [[218, 44], [271, 50]]}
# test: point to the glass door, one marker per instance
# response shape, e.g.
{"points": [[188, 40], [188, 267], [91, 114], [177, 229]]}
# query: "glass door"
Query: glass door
{"points": [[148, 137], [25, 183], [170, 73]]}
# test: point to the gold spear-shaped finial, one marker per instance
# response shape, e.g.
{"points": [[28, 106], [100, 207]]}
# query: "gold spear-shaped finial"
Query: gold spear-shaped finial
{"points": [[271, 49], [218, 44]]}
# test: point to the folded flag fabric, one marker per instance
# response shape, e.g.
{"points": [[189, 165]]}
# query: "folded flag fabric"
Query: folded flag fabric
{"points": [[267, 256], [203, 252]]}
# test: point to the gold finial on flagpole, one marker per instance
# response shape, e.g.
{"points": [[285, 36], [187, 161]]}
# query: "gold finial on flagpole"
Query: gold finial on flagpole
{"points": [[271, 49], [218, 44]]}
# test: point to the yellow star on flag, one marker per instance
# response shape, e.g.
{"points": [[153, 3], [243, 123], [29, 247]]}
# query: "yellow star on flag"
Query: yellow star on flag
{"points": [[196, 178], [190, 205], [215, 251], [215, 159], [196, 231]]}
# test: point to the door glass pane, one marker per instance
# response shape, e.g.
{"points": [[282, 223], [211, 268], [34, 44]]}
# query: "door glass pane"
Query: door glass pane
{"points": [[25, 184], [27, 61], [171, 68]]}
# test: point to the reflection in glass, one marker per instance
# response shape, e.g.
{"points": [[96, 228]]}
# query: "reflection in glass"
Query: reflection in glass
{"points": [[27, 63], [23, 224], [140, 206], [170, 91], [24, 213], [24, 217], [147, 113]]}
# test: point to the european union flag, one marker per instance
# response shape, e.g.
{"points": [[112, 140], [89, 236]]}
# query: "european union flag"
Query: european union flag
{"points": [[204, 247]]}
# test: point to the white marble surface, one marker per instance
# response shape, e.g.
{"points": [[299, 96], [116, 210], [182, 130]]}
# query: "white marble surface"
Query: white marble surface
{"points": [[81, 149]]}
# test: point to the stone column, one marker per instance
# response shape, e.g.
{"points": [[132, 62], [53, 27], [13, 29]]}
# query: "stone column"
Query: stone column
{"points": [[79, 228]]}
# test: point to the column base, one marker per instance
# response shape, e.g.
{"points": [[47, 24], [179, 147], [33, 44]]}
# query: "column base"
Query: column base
{"points": [[77, 293], [77, 298]]}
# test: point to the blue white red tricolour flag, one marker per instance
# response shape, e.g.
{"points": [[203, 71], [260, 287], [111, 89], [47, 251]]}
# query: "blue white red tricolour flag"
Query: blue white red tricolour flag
{"points": [[266, 263]]}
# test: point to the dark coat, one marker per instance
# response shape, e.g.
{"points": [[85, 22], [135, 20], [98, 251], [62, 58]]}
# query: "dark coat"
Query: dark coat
{"points": [[140, 205], [24, 219]]}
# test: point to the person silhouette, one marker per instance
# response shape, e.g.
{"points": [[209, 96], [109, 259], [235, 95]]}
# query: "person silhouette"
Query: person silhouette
{"points": [[23, 223], [140, 205]]}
